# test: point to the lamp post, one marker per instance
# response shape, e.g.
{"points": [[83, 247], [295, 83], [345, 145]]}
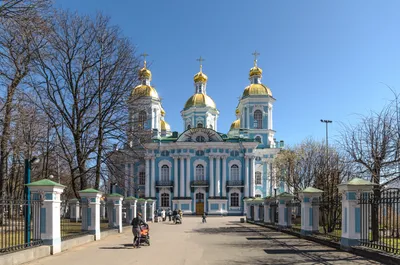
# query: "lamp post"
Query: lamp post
{"points": [[27, 191], [326, 122]]}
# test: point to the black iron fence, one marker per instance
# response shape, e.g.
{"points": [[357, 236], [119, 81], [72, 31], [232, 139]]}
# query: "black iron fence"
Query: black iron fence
{"points": [[18, 230], [379, 220], [274, 212], [294, 212], [71, 220], [330, 216]]}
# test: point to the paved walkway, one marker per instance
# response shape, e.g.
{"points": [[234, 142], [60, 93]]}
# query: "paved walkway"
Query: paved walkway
{"points": [[223, 240]]}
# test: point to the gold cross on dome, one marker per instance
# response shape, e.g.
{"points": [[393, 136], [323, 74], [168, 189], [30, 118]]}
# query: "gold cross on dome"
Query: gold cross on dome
{"points": [[144, 55], [255, 54], [201, 64]]}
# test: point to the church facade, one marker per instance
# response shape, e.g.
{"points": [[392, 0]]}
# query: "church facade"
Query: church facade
{"points": [[201, 169]]}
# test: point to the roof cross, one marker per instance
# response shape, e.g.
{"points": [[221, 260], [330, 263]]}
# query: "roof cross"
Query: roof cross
{"points": [[201, 64], [144, 55], [255, 54]]}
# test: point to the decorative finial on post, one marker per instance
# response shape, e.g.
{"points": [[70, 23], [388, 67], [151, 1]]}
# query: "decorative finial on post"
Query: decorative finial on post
{"points": [[255, 54], [144, 55], [201, 65]]}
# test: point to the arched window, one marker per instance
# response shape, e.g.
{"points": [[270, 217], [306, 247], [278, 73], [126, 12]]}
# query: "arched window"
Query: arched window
{"points": [[200, 139], [258, 139], [234, 199], [234, 172], [164, 173], [165, 200], [199, 172], [258, 178], [142, 178], [257, 119], [142, 118], [199, 125]]}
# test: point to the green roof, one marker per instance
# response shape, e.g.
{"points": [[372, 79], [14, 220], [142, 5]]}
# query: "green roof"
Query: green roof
{"points": [[114, 195], [358, 181], [141, 200], [285, 195], [130, 198], [311, 190], [44, 182], [89, 191], [150, 200], [248, 200]]}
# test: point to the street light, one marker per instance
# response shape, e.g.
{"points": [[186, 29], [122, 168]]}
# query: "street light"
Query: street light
{"points": [[326, 122], [27, 191]]}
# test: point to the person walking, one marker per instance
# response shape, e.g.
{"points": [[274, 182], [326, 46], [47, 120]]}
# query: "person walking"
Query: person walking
{"points": [[136, 223], [169, 214], [163, 215], [204, 218]]}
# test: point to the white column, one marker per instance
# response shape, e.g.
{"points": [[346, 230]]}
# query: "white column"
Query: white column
{"points": [[253, 182], [147, 183], [176, 177], [182, 177], [267, 216], [115, 203], [256, 212], [211, 191], [188, 177], [153, 177], [246, 179], [224, 176], [270, 118], [218, 177]]}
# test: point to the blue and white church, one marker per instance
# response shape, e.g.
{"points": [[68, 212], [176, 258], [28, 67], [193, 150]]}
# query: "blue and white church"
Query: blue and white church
{"points": [[202, 169]]}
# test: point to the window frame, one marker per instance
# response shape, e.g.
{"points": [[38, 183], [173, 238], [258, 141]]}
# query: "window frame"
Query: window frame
{"points": [[164, 198], [234, 197], [234, 172], [258, 178], [257, 117], [142, 178], [199, 172]]}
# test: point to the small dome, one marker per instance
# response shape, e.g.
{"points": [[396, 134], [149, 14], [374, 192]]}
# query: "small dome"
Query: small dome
{"points": [[200, 77], [165, 126], [200, 100], [237, 111], [257, 89], [235, 125], [144, 73], [255, 71], [144, 91], [162, 112]]}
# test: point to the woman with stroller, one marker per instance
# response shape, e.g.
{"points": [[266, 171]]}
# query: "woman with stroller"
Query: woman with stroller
{"points": [[136, 224]]}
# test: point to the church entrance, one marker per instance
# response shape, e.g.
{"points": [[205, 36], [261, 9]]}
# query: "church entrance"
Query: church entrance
{"points": [[199, 203]]}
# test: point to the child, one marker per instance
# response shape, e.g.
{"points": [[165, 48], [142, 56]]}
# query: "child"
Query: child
{"points": [[204, 218]]}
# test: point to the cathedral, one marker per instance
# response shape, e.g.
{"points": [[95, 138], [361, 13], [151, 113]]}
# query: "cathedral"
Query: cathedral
{"points": [[201, 169]]}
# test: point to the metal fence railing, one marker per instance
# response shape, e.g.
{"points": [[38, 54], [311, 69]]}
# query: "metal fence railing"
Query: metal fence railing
{"points": [[330, 216], [18, 230], [379, 216], [71, 225], [294, 208]]}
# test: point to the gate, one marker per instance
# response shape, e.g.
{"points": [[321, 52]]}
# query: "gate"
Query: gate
{"points": [[379, 220], [274, 212], [330, 219], [294, 213]]}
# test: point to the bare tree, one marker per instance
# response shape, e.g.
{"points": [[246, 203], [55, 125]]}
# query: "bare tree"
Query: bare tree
{"points": [[10, 9]]}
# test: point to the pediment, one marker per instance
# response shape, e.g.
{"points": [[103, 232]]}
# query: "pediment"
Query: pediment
{"points": [[200, 135]]}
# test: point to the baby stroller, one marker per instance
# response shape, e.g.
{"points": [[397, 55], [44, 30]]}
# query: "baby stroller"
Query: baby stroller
{"points": [[144, 235], [177, 219]]}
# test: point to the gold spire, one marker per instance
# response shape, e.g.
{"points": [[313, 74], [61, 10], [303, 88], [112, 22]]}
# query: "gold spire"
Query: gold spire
{"points": [[200, 77], [144, 73], [255, 70]]}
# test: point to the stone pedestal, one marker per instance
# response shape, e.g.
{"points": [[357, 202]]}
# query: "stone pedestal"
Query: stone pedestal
{"points": [[247, 208], [102, 209], [142, 208], [130, 205], [90, 202], [309, 212], [48, 217], [152, 207], [74, 209], [114, 204], [267, 210], [285, 215], [351, 212]]}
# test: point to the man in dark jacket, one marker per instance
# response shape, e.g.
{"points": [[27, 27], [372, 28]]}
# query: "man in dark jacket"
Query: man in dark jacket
{"points": [[136, 223]]}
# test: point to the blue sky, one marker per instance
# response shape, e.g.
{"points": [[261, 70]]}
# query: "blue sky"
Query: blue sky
{"points": [[321, 59]]}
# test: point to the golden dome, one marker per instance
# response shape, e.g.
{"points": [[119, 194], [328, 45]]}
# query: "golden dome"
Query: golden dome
{"points": [[200, 77], [165, 126], [257, 89], [162, 112], [200, 100], [144, 73], [235, 125], [255, 71], [237, 111], [145, 91]]}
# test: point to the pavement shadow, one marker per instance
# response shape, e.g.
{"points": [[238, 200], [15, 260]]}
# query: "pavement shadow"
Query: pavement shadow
{"points": [[226, 230]]}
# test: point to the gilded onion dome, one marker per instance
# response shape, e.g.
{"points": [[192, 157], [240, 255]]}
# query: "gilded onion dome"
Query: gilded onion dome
{"points": [[200, 77], [237, 111], [200, 100], [144, 91], [255, 71], [235, 125], [257, 89], [162, 112], [145, 73], [165, 126]]}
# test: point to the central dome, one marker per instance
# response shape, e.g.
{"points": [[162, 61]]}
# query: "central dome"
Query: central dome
{"points": [[144, 91], [199, 101], [257, 90], [200, 77]]}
